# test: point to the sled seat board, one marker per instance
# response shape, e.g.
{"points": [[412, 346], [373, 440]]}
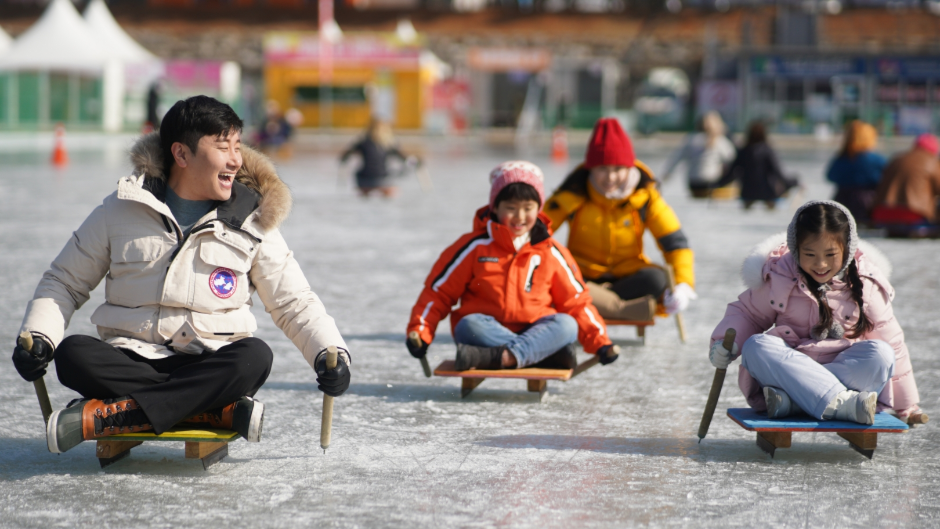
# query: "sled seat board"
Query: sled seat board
{"points": [[754, 421], [180, 434], [446, 369], [631, 322]]}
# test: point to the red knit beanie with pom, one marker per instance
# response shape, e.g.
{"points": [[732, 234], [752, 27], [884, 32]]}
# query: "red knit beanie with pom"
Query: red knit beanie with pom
{"points": [[609, 145]]}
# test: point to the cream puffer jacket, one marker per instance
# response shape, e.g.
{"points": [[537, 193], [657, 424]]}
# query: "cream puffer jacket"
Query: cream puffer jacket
{"points": [[157, 280]]}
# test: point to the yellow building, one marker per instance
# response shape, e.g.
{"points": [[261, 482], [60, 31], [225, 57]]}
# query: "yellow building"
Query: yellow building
{"points": [[372, 74]]}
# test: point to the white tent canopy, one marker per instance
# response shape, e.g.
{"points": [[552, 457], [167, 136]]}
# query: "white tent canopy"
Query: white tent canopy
{"points": [[118, 44], [5, 41], [59, 40]]}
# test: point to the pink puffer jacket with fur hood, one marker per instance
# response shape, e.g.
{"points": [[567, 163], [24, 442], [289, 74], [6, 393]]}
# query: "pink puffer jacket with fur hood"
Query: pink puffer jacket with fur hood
{"points": [[777, 297]]}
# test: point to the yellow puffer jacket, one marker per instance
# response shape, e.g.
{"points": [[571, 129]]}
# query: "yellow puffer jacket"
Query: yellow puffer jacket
{"points": [[606, 236]]}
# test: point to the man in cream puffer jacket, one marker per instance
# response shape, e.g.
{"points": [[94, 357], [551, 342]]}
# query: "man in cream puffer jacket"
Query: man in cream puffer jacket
{"points": [[182, 245]]}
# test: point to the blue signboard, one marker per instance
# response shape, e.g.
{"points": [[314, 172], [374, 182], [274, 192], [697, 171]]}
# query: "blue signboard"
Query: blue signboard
{"points": [[802, 67], [920, 68]]}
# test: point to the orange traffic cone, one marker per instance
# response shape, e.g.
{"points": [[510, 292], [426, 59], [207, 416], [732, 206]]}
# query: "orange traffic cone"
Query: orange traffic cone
{"points": [[559, 145], [60, 158]]}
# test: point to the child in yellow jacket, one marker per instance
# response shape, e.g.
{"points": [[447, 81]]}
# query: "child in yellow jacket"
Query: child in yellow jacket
{"points": [[609, 202]]}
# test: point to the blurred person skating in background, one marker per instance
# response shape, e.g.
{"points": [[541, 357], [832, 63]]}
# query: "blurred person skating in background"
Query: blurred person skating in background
{"points": [[375, 148], [856, 170], [609, 201], [757, 170], [815, 329], [277, 129], [910, 186], [522, 300], [706, 153], [154, 93]]}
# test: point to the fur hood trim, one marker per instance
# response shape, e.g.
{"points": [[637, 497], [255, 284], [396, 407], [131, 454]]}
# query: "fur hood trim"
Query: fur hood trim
{"points": [[257, 173], [753, 267]]}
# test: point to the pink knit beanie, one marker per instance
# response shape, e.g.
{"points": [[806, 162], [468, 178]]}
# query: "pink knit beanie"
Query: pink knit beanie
{"points": [[928, 142], [516, 171]]}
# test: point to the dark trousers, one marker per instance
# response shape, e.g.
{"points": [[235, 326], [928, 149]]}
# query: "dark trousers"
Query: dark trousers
{"points": [[168, 389], [649, 281]]}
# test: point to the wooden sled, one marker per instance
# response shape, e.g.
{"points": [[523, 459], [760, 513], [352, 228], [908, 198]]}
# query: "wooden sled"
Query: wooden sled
{"points": [[207, 445], [640, 327], [775, 433], [730, 192], [536, 377]]}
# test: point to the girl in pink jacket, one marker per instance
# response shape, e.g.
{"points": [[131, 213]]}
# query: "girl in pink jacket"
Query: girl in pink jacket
{"points": [[823, 355]]}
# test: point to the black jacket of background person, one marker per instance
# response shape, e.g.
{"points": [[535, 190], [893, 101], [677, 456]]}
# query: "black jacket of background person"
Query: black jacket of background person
{"points": [[374, 170], [757, 169]]}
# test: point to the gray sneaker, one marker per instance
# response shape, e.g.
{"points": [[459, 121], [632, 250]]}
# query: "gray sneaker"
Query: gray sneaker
{"points": [[475, 357], [779, 403]]}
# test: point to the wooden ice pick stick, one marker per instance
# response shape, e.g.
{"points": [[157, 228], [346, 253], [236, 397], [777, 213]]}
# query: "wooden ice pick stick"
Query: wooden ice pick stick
{"points": [[717, 382], [680, 321], [26, 342], [326, 422], [416, 340]]}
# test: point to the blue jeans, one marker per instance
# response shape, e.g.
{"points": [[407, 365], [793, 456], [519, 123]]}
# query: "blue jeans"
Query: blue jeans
{"points": [[544, 338], [865, 366]]}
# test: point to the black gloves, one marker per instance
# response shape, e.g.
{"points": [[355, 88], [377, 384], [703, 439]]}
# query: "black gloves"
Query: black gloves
{"points": [[31, 365], [608, 354], [416, 345], [334, 382]]}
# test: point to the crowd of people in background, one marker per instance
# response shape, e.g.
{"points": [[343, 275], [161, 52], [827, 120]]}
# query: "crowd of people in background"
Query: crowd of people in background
{"points": [[900, 194]]}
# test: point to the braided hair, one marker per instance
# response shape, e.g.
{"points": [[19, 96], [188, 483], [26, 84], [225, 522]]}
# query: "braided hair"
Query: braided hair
{"points": [[816, 220]]}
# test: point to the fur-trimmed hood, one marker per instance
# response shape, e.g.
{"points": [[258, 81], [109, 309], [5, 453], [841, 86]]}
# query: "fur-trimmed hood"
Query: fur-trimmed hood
{"points": [[752, 270], [257, 173]]}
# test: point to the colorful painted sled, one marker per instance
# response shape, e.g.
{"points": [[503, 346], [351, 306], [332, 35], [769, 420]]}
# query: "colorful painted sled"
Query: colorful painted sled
{"points": [[775, 433]]}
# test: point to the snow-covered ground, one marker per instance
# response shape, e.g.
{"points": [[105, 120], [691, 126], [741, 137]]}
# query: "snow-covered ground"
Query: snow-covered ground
{"points": [[615, 446]]}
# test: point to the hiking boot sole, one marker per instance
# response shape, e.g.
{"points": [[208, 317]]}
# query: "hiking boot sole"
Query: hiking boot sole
{"points": [[255, 423], [64, 430]]}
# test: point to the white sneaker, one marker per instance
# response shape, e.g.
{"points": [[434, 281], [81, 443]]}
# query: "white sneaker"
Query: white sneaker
{"points": [[855, 406]]}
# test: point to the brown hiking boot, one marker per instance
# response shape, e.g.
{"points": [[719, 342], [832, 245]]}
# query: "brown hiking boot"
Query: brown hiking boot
{"points": [[611, 307], [245, 416], [218, 418], [94, 419]]}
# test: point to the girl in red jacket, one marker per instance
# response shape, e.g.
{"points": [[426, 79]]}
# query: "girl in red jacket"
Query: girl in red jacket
{"points": [[521, 295]]}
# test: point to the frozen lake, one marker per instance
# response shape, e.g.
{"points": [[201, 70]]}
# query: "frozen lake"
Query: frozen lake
{"points": [[615, 446]]}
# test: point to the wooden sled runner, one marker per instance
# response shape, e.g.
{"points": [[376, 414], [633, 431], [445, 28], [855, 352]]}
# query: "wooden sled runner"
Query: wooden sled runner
{"points": [[775, 433], [536, 378], [207, 445], [640, 327]]}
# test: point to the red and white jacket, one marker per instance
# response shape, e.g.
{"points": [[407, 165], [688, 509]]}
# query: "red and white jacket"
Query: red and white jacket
{"points": [[485, 273]]}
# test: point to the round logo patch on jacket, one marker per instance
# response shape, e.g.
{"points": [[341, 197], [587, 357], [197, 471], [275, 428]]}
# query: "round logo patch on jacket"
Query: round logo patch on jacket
{"points": [[222, 281]]}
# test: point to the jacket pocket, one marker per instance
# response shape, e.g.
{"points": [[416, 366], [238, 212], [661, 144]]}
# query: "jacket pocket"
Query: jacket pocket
{"points": [[136, 322], [137, 249], [221, 277], [238, 323], [135, 275], [787, 334]]}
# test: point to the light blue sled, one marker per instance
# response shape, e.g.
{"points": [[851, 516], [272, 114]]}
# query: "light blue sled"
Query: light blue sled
{"points": [[776, 433]]}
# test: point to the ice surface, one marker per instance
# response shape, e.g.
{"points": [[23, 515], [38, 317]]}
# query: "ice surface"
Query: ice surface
{"points": [[615, 446]]}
